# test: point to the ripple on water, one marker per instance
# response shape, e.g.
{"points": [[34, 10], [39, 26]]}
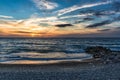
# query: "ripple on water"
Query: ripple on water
{"points": [[33, 57]]}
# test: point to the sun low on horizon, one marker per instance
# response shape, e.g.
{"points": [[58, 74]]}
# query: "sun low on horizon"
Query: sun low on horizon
{"points": [[59, 18]]}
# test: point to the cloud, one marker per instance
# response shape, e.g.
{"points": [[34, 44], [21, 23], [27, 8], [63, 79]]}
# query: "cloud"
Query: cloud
{"points": [[76, 7], [88, 18], [102, 30], [21, 32], [7, 23], [115, 18], [33, 27], [76, 16], [8, 17], [83, 20], [99, 24], [33, 33], [45, 4], [98, 12], [63, 25], [102, 33], [103, 13], [78, 21], [46, 21]]}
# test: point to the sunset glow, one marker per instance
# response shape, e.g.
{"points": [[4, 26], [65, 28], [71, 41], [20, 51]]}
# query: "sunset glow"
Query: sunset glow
{"points": [[29, 18]]}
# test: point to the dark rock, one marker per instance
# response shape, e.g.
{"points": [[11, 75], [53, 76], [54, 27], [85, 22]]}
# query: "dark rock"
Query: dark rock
{"points": [[105, 54], [98, 51]]}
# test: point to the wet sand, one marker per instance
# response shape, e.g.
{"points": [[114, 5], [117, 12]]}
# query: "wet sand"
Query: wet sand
{"points": [[61, 71]]}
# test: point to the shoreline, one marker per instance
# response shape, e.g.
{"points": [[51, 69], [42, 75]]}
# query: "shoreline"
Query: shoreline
{"points": [[61, 71], [81, 64], [48, 62]]}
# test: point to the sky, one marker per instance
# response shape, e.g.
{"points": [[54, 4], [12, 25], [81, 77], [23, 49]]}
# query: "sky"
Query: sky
{"points": [[59, 18]]}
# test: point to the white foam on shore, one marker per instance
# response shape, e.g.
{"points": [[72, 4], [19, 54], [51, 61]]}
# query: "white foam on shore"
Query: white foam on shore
{"points": [[49, 55], [40, 62], [67, 57]]}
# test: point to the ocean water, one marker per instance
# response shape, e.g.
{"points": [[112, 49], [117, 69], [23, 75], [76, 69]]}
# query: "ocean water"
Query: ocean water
{"points": [[36, 51]]}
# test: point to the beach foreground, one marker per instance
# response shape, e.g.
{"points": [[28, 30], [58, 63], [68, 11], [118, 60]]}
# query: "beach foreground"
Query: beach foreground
{"points": [[61, 71]]}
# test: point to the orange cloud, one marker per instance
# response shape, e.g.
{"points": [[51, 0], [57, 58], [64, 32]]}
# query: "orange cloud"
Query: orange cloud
{"points": [[34, 27]]}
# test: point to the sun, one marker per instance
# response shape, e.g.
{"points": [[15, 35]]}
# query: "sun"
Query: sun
{"points": [[32, 35]]}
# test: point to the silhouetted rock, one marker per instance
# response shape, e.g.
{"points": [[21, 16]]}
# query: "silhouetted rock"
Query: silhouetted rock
{"points": [[105, 54], [98, 51]]}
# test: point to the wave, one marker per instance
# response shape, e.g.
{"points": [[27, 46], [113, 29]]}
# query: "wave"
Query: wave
{"points": [[41, 57], [37, 50]]}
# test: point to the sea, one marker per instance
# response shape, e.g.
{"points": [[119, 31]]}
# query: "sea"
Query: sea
{"points": [[50, 50]]}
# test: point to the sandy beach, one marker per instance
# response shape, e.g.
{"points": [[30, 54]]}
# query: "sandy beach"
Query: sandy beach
{"points": [[61, 71]]}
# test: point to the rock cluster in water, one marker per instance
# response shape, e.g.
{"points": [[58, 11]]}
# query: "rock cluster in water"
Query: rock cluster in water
{"points": [[103, 53]]}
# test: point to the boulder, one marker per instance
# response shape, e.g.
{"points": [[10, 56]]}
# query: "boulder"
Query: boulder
{"points": [[98, 51]]}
